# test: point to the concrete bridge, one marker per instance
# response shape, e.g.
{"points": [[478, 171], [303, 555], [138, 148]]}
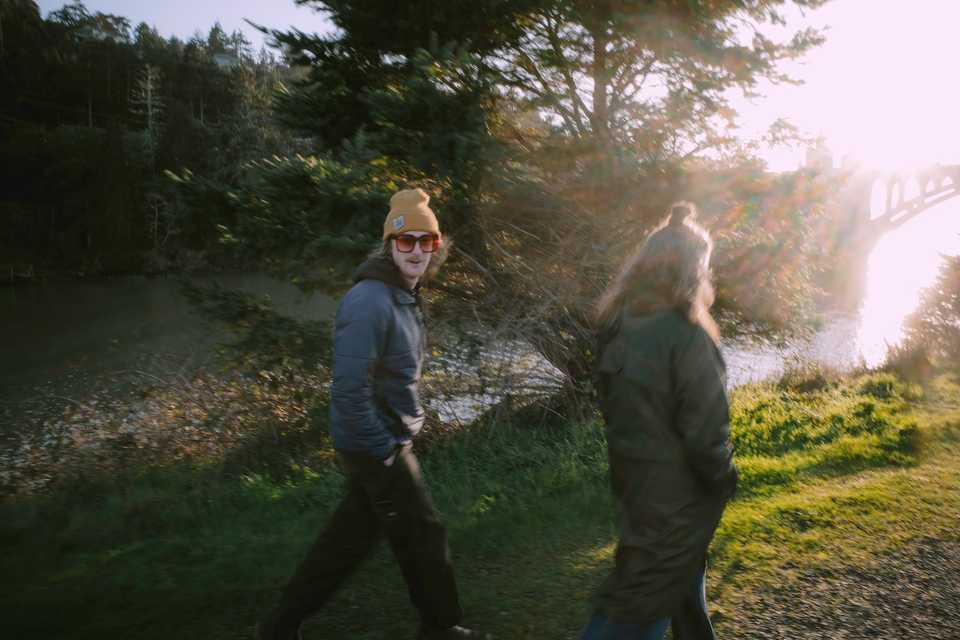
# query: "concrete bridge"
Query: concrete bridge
{"points": [[904, 196], [871, 204]]}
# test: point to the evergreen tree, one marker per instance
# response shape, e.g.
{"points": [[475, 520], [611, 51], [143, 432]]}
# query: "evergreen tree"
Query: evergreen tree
{"points": [[92, 112], [217, 39], [148, 41], [935, 326], [146, 100], [240, 46]]}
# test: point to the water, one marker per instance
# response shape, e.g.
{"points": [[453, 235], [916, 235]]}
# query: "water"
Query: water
{"points": [[52, 328], [903, 263], [62, 340], [463, 381], [834, 345]]}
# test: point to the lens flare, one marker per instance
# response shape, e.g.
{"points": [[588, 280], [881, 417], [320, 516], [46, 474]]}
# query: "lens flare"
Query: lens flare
{"points": [[903, 263]]}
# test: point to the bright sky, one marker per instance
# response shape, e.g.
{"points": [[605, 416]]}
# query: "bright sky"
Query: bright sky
{"points": [[183, 17], [883, 86]]}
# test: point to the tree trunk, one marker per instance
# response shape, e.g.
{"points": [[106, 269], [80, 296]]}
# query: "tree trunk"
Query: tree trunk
{"points": [[601, 112], [150, 99], [601, 80]]}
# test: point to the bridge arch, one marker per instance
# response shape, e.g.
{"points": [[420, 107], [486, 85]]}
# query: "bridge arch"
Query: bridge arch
{"points": [[906, 195]]}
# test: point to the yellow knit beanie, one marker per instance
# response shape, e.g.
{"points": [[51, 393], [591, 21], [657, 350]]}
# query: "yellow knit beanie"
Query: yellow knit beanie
{"points": [[409, 211]]}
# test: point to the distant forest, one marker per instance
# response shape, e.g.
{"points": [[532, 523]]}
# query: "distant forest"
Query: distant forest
{"points": [[94, 110]]}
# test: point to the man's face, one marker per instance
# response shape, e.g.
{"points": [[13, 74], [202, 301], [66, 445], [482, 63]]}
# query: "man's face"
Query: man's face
{"points": [[412, 264]]}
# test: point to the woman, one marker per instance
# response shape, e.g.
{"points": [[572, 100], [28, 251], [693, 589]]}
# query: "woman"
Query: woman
{"points": [[661, 384]]}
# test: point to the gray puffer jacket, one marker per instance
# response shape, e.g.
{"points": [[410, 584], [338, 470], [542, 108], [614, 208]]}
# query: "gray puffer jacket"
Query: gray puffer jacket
{"points": [[378, 348]]}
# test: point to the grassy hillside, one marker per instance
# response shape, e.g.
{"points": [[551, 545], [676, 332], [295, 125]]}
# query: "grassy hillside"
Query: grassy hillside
{"points": [[833, 472]]}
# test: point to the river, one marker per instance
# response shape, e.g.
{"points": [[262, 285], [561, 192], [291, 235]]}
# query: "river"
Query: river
{"points": [[903, 263], [60, 339], [63, 341]]}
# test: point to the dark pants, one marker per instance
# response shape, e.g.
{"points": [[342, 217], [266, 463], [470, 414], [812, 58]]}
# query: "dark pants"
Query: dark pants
{"points": [[393, 501], [691, 622]]}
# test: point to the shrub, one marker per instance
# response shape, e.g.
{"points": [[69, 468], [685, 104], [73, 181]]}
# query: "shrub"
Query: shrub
{"points": [[935, 325], [806, 377]]}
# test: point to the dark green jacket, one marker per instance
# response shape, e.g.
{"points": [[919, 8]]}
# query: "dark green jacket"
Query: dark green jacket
{"points": [[662, 394]]}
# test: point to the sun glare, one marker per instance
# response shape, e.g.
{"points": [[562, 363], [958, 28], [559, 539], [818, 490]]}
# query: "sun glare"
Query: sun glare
{"points": [[893, 105], [903, 263], [880, 91]]}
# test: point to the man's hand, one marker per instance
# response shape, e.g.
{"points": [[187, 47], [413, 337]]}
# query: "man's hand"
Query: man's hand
{"points": [[387, 462]]}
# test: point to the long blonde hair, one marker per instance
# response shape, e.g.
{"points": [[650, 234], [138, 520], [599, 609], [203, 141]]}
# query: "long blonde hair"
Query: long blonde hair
{"points": [[670, 270]]}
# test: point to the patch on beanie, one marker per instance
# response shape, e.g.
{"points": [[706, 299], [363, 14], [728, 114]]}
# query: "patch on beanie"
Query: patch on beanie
{"points": [[398, 223]]}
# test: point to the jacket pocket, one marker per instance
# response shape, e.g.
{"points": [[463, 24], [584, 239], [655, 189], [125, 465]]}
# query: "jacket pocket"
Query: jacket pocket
{"points": [[612, 359]]}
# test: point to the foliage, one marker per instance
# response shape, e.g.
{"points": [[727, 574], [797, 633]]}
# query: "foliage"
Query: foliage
{"points": [[318, 213], [910, 360], [652, 78], [935, 326], [100, 201], [552, 136]]}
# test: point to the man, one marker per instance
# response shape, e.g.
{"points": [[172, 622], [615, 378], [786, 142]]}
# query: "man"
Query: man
{"points": [[375, 412]]}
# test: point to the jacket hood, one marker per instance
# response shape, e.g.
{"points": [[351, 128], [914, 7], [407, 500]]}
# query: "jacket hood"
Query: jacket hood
{"points": [[644, 300], [637, 302], [383, 269]]}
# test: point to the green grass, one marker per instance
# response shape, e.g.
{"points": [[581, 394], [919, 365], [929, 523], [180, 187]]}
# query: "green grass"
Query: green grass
{"points": [[190, 553], [783, 435]]}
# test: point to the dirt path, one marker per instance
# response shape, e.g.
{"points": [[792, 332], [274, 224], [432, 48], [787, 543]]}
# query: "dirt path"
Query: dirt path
{"points": [[914, 593]]}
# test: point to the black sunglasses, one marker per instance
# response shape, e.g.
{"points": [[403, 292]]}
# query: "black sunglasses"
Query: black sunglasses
{"points": [[428, 243]]}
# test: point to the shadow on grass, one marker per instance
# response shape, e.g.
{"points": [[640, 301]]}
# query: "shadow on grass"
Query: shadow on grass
{"points": [[189, 552]]}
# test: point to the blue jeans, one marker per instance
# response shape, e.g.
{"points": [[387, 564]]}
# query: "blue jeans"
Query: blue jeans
{"points": [[601, 627], [691, 623]]}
